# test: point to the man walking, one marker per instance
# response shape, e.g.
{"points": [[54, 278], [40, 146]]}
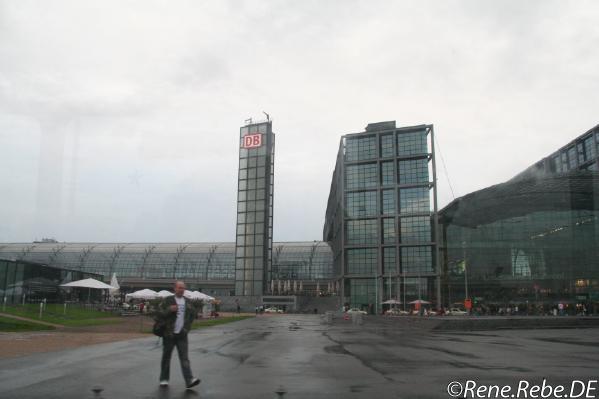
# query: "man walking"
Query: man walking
{"points": [[177, 313]]}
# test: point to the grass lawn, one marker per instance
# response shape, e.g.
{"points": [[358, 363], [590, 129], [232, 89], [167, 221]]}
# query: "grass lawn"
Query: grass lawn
{"points": [[54, 313], [12, 325]]}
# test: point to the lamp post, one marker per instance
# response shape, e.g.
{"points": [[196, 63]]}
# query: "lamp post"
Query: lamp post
{"points": [[465, 268]]}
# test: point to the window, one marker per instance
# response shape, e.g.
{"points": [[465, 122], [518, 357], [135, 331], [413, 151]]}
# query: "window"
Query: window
{"points": [[415, 229], [361, 261], [388, 207], [361, 204], [388, 231], [359, 148], [414, 200], [416, 260], [362, 292], [571, 158], [361, 232], [413, 171], [412, 143], [387, 149], [389, 260], [387, 173], [361, 176], [586, 150], [556, 165], [564, 162]]}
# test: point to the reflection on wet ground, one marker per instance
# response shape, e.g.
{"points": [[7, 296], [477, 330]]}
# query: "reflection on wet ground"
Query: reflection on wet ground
{"points": [[299, 356]]}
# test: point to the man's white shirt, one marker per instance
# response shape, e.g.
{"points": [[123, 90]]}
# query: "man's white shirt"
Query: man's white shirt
{"points": [[180, 314]]}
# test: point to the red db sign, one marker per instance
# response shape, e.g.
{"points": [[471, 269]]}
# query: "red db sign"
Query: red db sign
{"points": [[252, 140]]}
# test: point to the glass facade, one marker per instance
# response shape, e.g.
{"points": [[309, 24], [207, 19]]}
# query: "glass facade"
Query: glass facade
{"points": [[305, 261], [580, 154], [381, 213], [31, 282], [209, 267], [253, 249], [528, 242]]}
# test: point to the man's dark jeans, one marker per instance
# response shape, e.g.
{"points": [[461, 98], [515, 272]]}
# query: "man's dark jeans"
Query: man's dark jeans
{"points": [[168, 343]]}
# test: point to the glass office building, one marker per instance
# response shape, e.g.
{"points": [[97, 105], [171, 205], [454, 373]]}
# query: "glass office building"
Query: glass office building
{"points": [[253, 245], [381, 215], [22, 281], [531, 242]]}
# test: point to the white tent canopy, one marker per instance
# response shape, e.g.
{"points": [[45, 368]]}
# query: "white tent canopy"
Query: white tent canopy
{"points": [[197, 295], [392, 302], [151, 294], [89, 283], [146, 293], [420, 301]]}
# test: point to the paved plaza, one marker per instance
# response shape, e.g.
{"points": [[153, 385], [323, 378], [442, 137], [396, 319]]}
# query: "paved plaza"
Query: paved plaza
{"points": [[307, 358]]}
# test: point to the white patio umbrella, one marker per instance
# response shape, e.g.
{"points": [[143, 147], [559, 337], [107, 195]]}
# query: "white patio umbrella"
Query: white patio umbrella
{"points": [[206, 297], [392, 302], [164, 294], [90, 284], [146, 293], [197, 295], [419, 301]]}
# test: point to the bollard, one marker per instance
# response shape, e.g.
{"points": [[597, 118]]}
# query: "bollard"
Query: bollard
{"points": [[4, 304], [41, 309], [23, 300], [356, 319], [280, 392], [65, 308], [328, 317]]}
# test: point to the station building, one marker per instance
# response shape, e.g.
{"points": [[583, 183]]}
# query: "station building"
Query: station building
{"points": [[531, 241]]}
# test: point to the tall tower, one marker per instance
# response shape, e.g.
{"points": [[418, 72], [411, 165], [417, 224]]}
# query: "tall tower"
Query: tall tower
{"points": [[253, 244]]}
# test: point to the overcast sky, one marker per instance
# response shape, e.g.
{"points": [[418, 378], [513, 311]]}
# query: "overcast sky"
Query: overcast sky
{"points": [[119, 120]]}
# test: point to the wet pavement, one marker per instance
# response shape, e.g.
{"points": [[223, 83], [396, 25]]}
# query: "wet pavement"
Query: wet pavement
{"points": [[303, 357]]}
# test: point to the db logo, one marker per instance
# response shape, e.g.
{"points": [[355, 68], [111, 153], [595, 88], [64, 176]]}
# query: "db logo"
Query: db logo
{"points": [[252, 140]]}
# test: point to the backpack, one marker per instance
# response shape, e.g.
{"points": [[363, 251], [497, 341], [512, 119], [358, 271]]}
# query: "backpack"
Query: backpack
{"points": [[159, 328]]}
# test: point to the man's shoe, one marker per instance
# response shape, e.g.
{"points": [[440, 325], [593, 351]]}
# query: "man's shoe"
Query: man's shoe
{"points": [[164, 383], [193, 383]]}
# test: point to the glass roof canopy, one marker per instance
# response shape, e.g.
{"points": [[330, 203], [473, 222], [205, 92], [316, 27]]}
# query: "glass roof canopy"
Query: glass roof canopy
{"points": [[309, 260]]}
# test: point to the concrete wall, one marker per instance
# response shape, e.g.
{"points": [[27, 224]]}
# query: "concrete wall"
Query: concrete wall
{"points": [[247, 303], [305, 304]]}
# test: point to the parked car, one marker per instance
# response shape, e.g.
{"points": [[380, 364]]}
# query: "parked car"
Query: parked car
{"points": [[456, 312], [397, 312], [356, 310], [273, 310]]}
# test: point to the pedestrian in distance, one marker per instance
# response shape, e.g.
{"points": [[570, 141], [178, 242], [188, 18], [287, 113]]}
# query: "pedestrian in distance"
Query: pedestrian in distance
{"points": [[173, 321]]}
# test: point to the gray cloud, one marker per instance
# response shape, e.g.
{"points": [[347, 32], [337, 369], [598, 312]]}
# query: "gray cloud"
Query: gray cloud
{"points": [[119, 120]]}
